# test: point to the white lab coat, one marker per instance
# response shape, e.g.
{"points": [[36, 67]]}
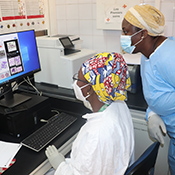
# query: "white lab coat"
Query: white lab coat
{"points": [[104, 144]]}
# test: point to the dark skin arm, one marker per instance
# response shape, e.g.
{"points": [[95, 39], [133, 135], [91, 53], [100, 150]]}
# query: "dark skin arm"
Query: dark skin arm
{"points": [[149, 43]]}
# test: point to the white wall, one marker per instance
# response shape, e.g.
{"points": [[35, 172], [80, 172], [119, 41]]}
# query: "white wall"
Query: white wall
{"points": [[79, 17]]}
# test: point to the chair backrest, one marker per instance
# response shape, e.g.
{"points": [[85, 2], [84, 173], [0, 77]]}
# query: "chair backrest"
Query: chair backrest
{"points": [[146, 162]]}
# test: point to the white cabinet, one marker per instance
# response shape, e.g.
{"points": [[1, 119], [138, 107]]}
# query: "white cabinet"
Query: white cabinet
{"points": [[142, 141]]}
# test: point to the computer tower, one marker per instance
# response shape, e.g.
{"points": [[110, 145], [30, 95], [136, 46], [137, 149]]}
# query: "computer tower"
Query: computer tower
{"points": [[25, 117]]}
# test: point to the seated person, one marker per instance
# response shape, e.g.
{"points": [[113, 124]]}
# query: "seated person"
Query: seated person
{"points": [[105, 143]]}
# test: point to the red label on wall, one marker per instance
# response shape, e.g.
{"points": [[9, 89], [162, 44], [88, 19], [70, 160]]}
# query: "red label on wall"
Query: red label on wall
{"points": [[13, 17], [35, 16]]}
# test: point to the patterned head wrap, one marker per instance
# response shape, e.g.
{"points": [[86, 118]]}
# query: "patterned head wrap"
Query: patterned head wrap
{"points": [[109, 76], [146, 17]]}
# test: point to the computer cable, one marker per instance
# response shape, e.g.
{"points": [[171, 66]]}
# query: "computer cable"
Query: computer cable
{"points": [[30, 83]]}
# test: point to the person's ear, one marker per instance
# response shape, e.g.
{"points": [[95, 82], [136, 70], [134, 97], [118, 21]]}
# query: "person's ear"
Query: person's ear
{"points": [[90, 90], [144, 33]]}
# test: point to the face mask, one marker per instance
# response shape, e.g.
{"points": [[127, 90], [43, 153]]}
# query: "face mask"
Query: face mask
{"points": [[87, 105], [126, 42], [79, 95]]}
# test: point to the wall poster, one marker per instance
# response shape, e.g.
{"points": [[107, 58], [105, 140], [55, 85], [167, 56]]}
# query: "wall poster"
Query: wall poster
{"points": [[17, 15], [110, 13]]}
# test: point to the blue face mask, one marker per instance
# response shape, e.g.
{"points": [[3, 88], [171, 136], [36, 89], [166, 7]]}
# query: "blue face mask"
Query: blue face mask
{"points": [[126, 42]]}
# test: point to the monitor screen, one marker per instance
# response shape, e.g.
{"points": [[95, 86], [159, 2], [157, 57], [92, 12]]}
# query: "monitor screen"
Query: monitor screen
{"points": [[18, 55], [18, 59]]}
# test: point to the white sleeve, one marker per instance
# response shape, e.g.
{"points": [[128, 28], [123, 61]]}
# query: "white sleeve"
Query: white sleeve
{"points": [[82, 158], [64, 168]]}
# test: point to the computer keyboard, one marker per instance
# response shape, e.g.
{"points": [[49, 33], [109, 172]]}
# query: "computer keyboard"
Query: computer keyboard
{"points": [[55, 125]]}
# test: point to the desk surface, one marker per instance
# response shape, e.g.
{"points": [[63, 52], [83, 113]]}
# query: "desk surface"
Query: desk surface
{"points": [[134, 101], [27, 160]]}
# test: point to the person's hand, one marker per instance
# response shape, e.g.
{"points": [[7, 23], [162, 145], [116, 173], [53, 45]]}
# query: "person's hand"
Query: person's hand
{"points": [[55, 158], [156, 128]]}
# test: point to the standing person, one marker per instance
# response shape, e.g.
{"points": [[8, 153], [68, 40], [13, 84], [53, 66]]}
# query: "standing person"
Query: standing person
{"points": [[105, 143], [143, 27]]}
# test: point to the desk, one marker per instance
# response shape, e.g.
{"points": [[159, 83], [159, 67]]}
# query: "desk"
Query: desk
{"points": [[27, 160], [134, 100]]}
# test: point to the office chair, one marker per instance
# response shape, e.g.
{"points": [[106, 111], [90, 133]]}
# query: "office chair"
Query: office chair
{"points": [[146, 162]]}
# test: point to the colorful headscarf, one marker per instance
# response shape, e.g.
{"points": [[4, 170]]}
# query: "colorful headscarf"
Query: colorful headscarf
{"points": [[109, 76], [147, 17]]}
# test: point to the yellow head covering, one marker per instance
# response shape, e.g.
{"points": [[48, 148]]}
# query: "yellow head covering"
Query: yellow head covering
{"points": [[109, 76], [146, 17]]}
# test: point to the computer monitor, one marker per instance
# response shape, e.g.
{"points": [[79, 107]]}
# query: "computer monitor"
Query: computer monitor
{"points": [[18, 59]]}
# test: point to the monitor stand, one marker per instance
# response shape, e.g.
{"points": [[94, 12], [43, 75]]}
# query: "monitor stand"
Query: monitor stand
{"points": [[16, 100], [11, 99]]}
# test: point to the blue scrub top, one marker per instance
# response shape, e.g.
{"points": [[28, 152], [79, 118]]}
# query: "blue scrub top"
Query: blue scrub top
{"points": [[158, 79]]}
